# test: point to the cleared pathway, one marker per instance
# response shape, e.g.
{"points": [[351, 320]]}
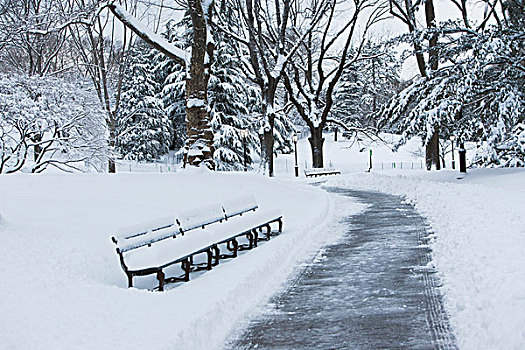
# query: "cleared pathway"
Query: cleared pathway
{"points": [[371, 290]]}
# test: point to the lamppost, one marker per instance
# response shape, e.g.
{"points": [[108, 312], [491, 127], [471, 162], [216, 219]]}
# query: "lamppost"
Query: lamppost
{"points": [[462, 158], [452, 139], [244, 134], [294, 138]]}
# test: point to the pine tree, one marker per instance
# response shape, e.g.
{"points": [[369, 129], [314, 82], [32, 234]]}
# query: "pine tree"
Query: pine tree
{"points": [[478, 97], [172, 77], [144, 132], [367, 84], [229, 97]]}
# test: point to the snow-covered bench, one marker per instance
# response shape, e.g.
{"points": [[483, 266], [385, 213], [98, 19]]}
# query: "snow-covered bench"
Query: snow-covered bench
{"points": [[320, 172], [151, 247]]}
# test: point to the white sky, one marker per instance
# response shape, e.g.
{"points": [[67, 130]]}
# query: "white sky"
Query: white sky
{"points": [[387, 29]]}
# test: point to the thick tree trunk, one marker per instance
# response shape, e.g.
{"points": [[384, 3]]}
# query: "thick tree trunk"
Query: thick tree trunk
{"points": [[200, 136], [268, 92], [316, 144], [432, 152]]}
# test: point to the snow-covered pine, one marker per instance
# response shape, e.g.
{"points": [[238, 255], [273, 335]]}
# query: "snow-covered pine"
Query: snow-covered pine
{"points": [[477, 96], [229, 98], [144, 131], [367, 84], [172, 75]]}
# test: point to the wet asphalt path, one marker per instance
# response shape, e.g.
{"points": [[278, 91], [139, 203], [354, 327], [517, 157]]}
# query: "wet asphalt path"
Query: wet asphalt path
{"points": [[371, 290]]}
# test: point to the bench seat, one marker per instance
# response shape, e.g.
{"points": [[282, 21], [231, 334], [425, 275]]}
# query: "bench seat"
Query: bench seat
{"points": [[169, 251], [244, 225]]}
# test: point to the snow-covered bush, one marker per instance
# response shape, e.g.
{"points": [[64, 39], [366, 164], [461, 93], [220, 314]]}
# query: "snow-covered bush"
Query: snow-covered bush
{"points": [[49, 122]]}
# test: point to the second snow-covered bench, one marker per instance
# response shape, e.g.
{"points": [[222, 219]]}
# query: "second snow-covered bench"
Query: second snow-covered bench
{"points": [[320, 172], [152, 247]]}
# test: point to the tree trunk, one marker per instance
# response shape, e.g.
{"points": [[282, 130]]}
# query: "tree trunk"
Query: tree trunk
{"points": [[432, 151], [200, 136], [268, 92], [316, 143]]}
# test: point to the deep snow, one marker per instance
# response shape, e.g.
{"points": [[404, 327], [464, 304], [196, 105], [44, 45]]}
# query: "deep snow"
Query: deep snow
{"points": [[62, 286]]}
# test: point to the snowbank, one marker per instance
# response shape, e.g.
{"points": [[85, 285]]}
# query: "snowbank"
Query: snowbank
{"points": [[479, 247], [62, 286]]}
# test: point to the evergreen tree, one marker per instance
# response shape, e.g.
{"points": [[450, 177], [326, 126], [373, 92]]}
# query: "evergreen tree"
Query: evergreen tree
{"points": [[231, 100], [367, 84], [144, 132], [477, 96], [172, 77]]}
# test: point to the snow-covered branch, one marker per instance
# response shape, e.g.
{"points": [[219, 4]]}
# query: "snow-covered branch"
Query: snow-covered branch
{"points": [[155, 40]]}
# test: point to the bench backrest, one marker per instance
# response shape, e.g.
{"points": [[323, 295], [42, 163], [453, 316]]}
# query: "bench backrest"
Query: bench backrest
{"points": [[200, 217], [149, 238], [136, 236], [239, 206], [132, 231]]}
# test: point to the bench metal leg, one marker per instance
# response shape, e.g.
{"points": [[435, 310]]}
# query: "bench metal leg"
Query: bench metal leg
{"points": [[268, 231], [130, 280], [255, 237], [235, 247], [161, 277], [250, 245], [186, 267], [217, 255], [280, 221], [210, 256], [260, 231], [232, 246]]}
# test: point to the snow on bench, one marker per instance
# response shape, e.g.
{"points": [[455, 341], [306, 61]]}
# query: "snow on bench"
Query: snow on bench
{"points": [[150, 247], [320, 172], [132, 231], [201, 217]]}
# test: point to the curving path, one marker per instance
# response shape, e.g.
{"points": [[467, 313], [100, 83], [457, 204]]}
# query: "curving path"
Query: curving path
{"points": [[371, 290]]}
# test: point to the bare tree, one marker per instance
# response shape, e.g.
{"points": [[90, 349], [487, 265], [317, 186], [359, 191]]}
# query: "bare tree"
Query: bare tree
{"points": [[265, 34], [48, 122], [33, 34], [102, 58], [314, 73]]}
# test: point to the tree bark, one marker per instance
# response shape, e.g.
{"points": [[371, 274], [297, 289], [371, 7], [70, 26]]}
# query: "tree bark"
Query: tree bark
{"points": [[432, 149], [316, 144], [200, 136], [432, 152], [199, 144]]}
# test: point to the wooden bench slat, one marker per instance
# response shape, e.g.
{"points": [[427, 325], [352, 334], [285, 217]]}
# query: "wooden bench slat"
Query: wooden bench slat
{"points": [[239, 206], [242, 225], [200, 217], [139, 229], [148, 239]]}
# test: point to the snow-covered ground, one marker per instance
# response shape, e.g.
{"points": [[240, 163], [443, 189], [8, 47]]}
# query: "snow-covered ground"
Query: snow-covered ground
{"points": [[62, 286], [61, 283], [479, 226]]}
